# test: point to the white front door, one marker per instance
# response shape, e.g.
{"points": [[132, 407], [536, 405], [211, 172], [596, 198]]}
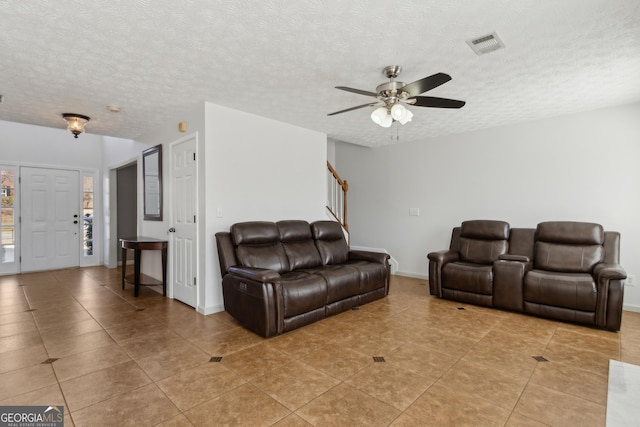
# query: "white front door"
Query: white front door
{"points": [[184, 248], [50, 215]]}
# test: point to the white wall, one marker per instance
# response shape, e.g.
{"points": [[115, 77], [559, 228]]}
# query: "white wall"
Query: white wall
{"points": [[331, 151], [117, 152], [257, 169], [582, 167], [43, 146]]}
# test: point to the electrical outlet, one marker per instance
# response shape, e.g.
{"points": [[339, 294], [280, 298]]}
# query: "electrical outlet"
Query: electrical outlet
{"points": [[630, 281]]}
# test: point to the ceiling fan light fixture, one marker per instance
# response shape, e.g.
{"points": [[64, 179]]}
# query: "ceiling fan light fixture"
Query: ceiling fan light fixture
{"points": [[398, 111], [407, 117], [393, 96], [387, 122], [401, 114], [381, 116]]}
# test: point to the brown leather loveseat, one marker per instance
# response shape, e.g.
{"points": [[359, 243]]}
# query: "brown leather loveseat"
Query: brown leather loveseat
{"points": [[562, 270], [280, 276]]}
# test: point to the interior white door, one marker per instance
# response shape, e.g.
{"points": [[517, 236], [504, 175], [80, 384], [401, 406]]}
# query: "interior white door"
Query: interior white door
{"points": [[184, 247], [50, 219]]}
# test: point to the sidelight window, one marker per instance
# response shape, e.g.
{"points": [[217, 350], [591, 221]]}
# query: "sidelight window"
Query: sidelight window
{"points": [[87, 214], [8, 236]]}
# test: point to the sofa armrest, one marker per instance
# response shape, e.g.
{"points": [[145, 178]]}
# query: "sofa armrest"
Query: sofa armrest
{"points": [[508, 282], [511, 257], [437, 261], [251, 296], [377, 257], [610, 286], [443, 257], [256, 274], [609, 271]]}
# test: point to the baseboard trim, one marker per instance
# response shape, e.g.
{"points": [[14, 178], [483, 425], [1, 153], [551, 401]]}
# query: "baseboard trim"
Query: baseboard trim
{"points": [[210, 310], [412, 275], [631, 307]]}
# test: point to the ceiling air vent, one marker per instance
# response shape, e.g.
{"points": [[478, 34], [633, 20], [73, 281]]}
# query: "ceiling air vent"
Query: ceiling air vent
{"points": [[486, 44]]}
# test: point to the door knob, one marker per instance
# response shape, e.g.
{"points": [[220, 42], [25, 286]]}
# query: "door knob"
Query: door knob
{"points": [[75, 216], [75, 222], [172, 230]]}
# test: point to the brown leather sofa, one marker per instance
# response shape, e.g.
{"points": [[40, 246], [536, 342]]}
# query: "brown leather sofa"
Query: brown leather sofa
{"points": [[277, 277], [562, 270]]}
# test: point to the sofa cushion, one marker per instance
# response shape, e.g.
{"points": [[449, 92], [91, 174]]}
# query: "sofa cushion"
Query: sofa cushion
{"points": [[570, 247], [483, 241], [372, 275], [485, 229], [570, 232], [298, 244], [254, 233], [302, 293], [567, 290], [330, 242], [482, 251], [258, 245], [468, 277], [343, 281], [567, 258]]}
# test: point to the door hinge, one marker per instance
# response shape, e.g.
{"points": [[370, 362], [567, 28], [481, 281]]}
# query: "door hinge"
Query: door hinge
{"points": [[194, 281], [194, 218], [194, 156]]}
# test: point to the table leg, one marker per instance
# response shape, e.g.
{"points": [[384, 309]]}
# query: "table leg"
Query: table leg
{"points": [[124, 265], [136, 279]]}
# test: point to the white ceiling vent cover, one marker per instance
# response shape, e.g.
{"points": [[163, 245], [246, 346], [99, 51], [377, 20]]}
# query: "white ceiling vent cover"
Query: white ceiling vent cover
{"points": [[486, 44]]}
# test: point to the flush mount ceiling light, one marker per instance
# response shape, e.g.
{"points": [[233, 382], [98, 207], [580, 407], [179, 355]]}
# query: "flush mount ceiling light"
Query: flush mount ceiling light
{"points": [[393, 96], [75, 123]]}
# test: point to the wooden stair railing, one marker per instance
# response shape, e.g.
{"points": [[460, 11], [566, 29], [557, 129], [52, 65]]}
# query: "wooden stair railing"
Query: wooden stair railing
{"points": [[337, 196]]}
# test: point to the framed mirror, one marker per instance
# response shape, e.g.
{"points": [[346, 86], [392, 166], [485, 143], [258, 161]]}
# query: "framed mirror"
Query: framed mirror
{"points": [[152, 175]]}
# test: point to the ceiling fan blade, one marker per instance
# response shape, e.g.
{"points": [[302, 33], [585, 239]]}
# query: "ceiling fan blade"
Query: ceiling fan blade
{"points": [[428, 83], [430, 101], [358, 91], [355, 108]]}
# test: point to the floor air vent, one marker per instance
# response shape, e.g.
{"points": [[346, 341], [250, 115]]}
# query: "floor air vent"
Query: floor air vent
{"points": [[216, 359], [378, 359], [540, 358]]}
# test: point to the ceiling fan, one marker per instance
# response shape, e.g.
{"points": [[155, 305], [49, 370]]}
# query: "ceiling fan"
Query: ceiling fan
{"points": [[392, 96]]}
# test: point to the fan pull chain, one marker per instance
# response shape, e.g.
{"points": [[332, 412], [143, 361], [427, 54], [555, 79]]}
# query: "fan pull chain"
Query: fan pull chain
{"points": [[397, 132]]}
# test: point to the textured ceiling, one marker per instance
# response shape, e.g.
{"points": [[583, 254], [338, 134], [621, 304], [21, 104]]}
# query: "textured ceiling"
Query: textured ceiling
{"points": [[281, 59]]}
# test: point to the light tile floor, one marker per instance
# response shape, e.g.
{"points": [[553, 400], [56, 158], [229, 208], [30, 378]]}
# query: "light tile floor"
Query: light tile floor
{"points": [[74, 338]]}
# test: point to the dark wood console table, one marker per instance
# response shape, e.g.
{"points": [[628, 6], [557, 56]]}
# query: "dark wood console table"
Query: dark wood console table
{"points": [[138, 244]]}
